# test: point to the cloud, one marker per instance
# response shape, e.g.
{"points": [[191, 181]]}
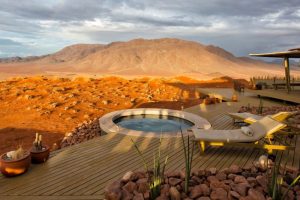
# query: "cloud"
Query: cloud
{"points": [[239, 26]]}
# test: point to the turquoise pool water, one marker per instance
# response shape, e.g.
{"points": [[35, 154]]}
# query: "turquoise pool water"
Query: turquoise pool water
{"points": [[153, 123]]}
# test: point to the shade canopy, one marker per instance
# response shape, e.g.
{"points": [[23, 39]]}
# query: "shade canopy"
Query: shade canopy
{"points": [[292, 53]]}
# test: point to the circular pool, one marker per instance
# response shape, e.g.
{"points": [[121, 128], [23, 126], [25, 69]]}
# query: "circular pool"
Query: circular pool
{"points": [[151, 122]]}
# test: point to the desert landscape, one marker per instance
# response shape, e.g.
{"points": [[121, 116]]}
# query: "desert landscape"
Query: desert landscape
{"points": [[164, 57], [149, 100], [55, 106]]}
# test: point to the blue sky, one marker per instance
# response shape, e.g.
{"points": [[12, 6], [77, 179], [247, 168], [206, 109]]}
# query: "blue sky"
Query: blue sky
{"points": [[35, 27]]}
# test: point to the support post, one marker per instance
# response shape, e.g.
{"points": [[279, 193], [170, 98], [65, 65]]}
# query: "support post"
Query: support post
{"points": [[287, 74]]}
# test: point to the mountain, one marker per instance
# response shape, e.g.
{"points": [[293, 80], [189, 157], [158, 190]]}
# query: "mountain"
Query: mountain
{"points": [[157, 57]]}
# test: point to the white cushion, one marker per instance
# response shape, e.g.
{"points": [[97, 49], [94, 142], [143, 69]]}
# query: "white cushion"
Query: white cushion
{"points": [[247, 131]]}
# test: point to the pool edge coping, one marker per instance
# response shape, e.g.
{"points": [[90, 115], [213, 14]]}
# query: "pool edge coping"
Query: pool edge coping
{"points": [[107, 124]]}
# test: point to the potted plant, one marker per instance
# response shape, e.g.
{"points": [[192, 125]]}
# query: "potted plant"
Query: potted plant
{"points": [[39, 152], [14, 163]]}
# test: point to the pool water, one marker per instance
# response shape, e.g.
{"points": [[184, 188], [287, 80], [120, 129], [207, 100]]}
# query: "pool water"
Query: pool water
{"points": [[153, 123]]}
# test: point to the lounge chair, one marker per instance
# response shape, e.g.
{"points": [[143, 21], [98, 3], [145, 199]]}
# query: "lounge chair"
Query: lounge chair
{"points": [[250, 118], [263, 132]]}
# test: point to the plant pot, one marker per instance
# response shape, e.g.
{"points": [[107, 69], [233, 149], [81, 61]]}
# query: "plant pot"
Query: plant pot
{"points": [[11, 168], [40, 156]]}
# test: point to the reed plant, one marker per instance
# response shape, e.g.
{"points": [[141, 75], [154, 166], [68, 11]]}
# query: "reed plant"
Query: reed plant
{"points": [[188, 150], [156, 175], [276, 183]]}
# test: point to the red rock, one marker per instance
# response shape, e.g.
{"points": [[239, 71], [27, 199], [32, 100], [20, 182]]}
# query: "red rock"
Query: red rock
{"points": [[255, 194], [201, 172], [221, 176], [142, 185], [251, 181], [212, 170], [130, 186], [174, 194], [174, 181], [234, 169], [298, 197], [146, 195], [203, 198], [165, 190], [262, 180], [126, 195], [196, 179], [234, 194], [212, 179], [240, 179], [161, 197], [127, 176], [225, 170], [231, 176], [240, 188], [138, 196], [196, 192], [113, 191], [219, 194], [215, 185], [205, 189], [182, 174]]}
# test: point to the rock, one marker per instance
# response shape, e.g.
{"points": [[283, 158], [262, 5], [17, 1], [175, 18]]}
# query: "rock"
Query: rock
{"points": [[174, 194], [146, 195], [174, 181], [142, 185], [205, 189], [240, 188], [215, 185], [240, 179], [234, 194], [130, 186], [212, 170], [126, 195], [105, 102], [262, 180], [219, 194], [255, 194], [212, 179], [196, 179], [231, 176], [138, 196], [182, 174], [113, 191], [234, 169], [196, 192], [251, 181], [221, 176], [203, 198], [164, 191]]}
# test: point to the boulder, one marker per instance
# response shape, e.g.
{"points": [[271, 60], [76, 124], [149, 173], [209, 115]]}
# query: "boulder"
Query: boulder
{"points": [[255, 194], [174, 181], [219, 194], [196, 192], [174, 193]]}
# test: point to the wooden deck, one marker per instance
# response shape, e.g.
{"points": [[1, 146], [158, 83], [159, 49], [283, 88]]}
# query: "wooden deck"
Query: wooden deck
{"points": [[82, 171], [280, 94]]}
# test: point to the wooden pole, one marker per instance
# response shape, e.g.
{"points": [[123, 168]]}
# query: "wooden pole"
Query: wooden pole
{"points": [[287, 74]]}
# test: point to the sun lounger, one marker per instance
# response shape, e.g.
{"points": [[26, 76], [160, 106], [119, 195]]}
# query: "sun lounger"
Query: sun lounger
{"points": [[263, 132], [251, 118]]}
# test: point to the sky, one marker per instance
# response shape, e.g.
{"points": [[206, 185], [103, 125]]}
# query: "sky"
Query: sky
{"points": [[37, 27]]}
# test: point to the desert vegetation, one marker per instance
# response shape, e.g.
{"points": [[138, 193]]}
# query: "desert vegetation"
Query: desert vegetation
{"points": [[58, 107]]}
